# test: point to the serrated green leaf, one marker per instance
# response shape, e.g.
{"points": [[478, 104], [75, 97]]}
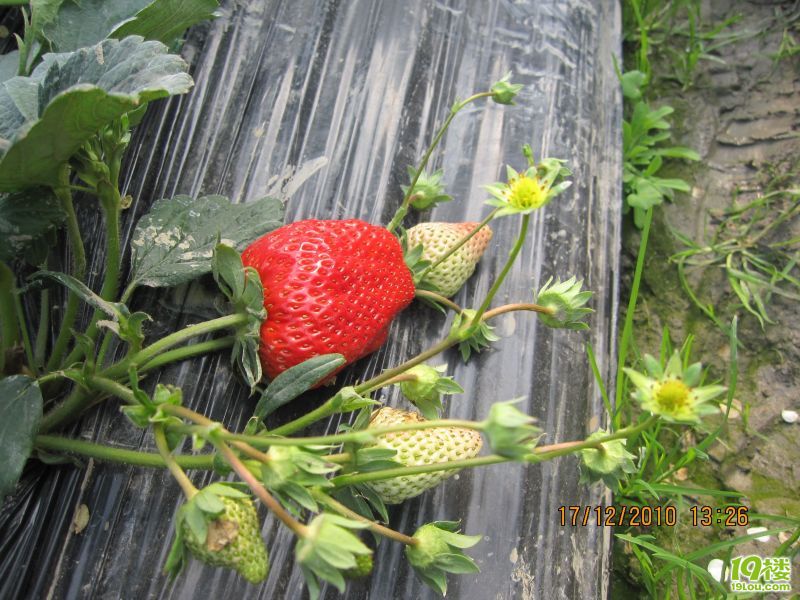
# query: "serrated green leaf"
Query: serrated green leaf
{"points": [[69, 97], [166, 20], [86, 22], [26, 218], [294, 381], [174, 242], [20, 413]]}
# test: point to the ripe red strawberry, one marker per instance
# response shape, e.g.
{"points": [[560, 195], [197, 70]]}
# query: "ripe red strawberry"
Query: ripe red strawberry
{"points": [[437, 239], [329, 287]]}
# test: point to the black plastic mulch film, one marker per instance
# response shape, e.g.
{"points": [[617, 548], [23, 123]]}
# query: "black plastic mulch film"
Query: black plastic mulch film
{"points": [[343, 96]]}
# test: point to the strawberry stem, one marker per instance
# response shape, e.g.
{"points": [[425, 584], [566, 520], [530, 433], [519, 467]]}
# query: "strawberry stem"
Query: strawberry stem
{"points": [[150, 357], [433, 296], [239, 441], [78, 268], [540, 454], [108, 194], [421, 276], [259, 490], [373, 526], [119, 455], [328, 407], [512, 257], [174, 468], [500, 310], [265, 441], [403, 210]]}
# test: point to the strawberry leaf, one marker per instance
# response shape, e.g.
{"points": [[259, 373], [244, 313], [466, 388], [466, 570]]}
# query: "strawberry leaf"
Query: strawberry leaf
{"points": [[69, 97], [79, 24], [20, 413], [26, 219], [296, 380], [174, 242]]}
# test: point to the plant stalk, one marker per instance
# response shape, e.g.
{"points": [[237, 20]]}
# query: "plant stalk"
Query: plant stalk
{"points": [[189, 490], [403, 210], [259, 490], [512, 257], [119, 455], [373, 526], [64, 337]]}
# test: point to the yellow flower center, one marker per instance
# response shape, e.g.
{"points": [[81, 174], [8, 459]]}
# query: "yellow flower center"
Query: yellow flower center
{"points": [[526, 192], [672, 396]]}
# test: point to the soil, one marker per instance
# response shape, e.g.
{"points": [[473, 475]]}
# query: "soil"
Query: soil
{"points": [[743, 116]]}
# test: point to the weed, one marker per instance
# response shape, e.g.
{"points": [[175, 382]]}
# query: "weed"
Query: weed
{"points": [[645, 134], [756, 265]]}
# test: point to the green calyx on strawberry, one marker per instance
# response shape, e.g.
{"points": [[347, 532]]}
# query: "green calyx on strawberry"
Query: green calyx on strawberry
{"points": [[438, 550], [436, 239], [424, 386], [329, 287], [219, 526], [423, 447]]}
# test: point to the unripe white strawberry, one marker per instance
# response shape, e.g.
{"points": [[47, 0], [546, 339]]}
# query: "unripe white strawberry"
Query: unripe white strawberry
{"points": [[424, 447], [437, 239]]}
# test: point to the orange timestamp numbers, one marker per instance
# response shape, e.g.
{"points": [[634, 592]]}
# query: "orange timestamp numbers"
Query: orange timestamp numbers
{"points": [[616, 516]]}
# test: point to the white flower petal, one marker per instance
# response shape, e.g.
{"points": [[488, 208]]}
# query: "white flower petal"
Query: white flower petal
{"points": [[715, 567], [763, 538]]}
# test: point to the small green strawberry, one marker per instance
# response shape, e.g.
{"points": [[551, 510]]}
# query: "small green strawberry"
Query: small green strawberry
{"points": [[233, 539], [436, 240], [362, 569], [439, 445]]}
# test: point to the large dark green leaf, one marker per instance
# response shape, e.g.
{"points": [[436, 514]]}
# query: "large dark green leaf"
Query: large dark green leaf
{"points": [[20, 413], [87, 22], [69, 97], [25, 219], [175, 241]]}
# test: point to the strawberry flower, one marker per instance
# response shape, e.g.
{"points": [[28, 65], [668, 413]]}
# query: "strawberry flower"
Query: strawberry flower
{"points": [[527, 191], [672, 391]]}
